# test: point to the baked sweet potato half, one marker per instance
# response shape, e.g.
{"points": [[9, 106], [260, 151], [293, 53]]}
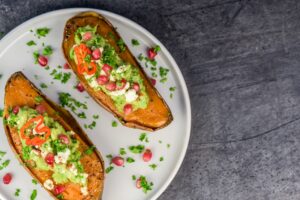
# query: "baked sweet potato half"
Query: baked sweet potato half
{"points": [[50, 143], [111, 74]]}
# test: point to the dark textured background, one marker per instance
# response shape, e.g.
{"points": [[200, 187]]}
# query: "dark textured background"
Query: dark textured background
{"points": [[241, 62]]}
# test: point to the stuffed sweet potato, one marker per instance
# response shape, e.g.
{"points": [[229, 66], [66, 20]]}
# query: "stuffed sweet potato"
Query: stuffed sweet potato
{"points": [[50, 143], [111, 74]]}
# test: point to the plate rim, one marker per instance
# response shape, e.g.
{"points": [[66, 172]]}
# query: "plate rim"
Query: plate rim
{"points": [[14, 32]]}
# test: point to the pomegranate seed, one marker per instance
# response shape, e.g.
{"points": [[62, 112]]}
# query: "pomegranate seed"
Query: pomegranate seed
{"points": [[7, 178], [102, 79], [49, 158], [147, 155], [136, 86], [42, 60], [66, 66], [151, 53], [138, 183], [96, 54], [107, 68], [80, 87], [153, 81], [64, 139], [16, 110], [127, 109], [58, 189], [119, 161], [111, 86], [40, 108], [87, 36]]}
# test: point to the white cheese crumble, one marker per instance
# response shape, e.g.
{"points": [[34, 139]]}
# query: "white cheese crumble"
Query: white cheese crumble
{"points": [[44, 153], [84, 190], [121, 69], [73, 169], [120, 92], [131, 95], [48, 184], [62, 157]]}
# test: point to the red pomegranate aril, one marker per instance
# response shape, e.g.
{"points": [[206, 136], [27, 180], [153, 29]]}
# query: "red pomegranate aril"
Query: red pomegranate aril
{"points": [[80, 87], [7, 178], [87, 36], [127, 109], [40, 108], [49, 158], [119, 161], [96, 54], [102, 79], [106, 68], [58, 189], [66, 66], [147, 155], [16, 110], [64, 139], [151, 54], [111, 86], [136, 87], [153, 81], [138, 183], [42, 60]]}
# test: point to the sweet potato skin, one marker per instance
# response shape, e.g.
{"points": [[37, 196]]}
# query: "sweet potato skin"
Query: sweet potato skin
{"points": [[157, 115], [19, 91]]}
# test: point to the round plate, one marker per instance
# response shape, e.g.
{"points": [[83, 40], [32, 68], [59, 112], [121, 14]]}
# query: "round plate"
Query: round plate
{"points": [[170, 142]]}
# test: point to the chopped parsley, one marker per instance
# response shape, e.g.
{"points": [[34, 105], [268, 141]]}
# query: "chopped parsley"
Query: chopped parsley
{"points": [[66, 77], [81, 115], [17, 192], [135, 42], [121, 45], [153, 166], [168, 146], [137, 149], [31, 43], [42, 32], [154, 74], [47, 51], [1, 112], [130, 160], [143, 137], [90, 150], [61, 76], [161, 159], [43, 85], [141, 57], [96, 116], [1, 76], [163, 72], [91, 126], [4, 164], [114, 124], [122, 151], [172, 89], [60, 196], [34, 182], [156, 48], [66, 100], [2, 153], [33, 194], [109, 169], [133, 177], [47, 68], [38, 99], [36, 56], [146, 186], [109, 156]]}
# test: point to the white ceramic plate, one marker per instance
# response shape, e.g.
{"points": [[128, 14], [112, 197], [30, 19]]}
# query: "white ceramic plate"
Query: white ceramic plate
{"points": [[15, 55]]}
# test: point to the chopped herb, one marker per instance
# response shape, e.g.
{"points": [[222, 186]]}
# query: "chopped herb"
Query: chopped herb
{"points": [[2, 153], [159, 141], [154, 74], [36, 77], [114, 124], [90, 150], [143, 137], [31, 43], [111, 35], [60, 196], [145, 185], [66, 77], [133, 177], [38, 99], [153, 166], [172, 89], [63, 77], [109, 156], [47, 51], [171, 95], [137, 149], [59, 66], [163, 80], [36, 56], [163, 72], [26, 152], [121, 45], [135, 42], [47, 68], [43, 85], [130, 160], [157, 48], [152, 62], [4, 164], [34, 182], [1, 112], [96, 116], [92, 125], [81, 115], [1, 76], [66, 100], [122, 151], [88, 58], [17, 192], [33, 194], [141, 57], [42, 32], [161, 159], [168, 145], [109, 169]]}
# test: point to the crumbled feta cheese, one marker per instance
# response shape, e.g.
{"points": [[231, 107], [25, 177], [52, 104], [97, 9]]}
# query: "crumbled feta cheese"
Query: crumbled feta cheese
{"points": [[93, 82], [44, 153], [120, 92], [112, 78], [102, 72], [84, 190], [73, 169], [121, 69], [48, 184], [131, 95], [62, 157]]}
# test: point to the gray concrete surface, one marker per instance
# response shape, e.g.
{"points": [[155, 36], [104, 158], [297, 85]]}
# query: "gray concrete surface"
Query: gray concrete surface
{"points": [[241, 62]]}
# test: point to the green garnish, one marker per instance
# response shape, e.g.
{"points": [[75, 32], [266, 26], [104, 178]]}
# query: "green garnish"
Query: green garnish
{"points": [[31, 43], [60, 196], [135, 42], [2, 153], [92, 125], [96, 116], [172, 89], [141, 57], [163, 72], [47, 51], [153, 166], [63, 77], [47, 68], [26, 152], [43, 85], [34, 182], [121, 45], [66, 77], [145, 185], [168, 145], [156, 48], [42, 32], [137, 149], [114, 124], [154, 74], [109, 169], [122, 151], [17, 192], [143, 137], [36, 56], [1, 112], [133, 177], [81, 115], [38, 99], [161, 159], [130, 160], [109, 156], [90, 150], [4, 164], [66, 100], [159, 141], [33, 194], [1, 76]]}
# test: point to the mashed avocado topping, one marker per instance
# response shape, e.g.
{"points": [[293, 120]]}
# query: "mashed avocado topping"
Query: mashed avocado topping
{"points": [[104, 70], [46, 145]]}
